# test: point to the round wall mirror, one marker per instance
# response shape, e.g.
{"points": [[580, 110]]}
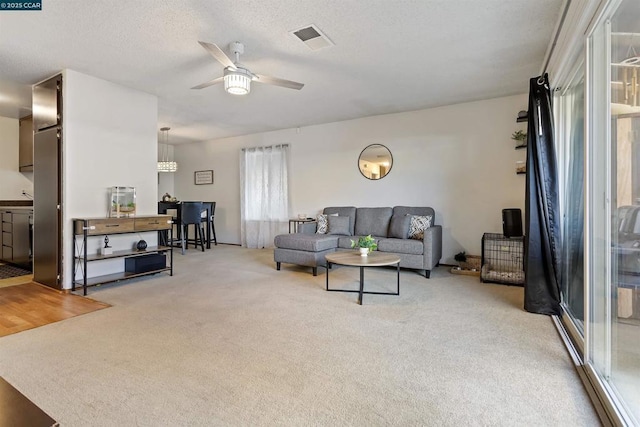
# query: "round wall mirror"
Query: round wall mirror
{"points": [[375, 161]]}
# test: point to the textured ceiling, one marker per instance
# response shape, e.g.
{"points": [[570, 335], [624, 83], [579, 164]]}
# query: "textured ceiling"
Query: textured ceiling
{"points": [[389, 56]]}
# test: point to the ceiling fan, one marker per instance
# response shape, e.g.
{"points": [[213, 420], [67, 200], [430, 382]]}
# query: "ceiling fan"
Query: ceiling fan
{"points": [[237, 78]]}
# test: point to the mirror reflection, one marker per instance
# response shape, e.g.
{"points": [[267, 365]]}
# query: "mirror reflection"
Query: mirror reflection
{"points": [[375, 161]]}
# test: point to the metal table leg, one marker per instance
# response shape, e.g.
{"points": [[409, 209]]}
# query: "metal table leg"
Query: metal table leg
{"points": [[361, 285], [361, 290]]}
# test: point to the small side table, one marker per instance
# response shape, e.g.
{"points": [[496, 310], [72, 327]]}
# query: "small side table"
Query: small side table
{"points": [[295, 223]]}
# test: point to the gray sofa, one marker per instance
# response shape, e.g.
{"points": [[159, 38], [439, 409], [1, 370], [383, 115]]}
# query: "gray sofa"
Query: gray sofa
{"points": [[385, 224]]}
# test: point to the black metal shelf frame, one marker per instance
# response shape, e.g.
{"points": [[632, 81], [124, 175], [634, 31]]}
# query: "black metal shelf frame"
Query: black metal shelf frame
{"points": [[82, 258]]}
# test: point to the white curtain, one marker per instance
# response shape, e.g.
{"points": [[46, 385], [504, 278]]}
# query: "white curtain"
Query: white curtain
{"points": [[264, 195]]}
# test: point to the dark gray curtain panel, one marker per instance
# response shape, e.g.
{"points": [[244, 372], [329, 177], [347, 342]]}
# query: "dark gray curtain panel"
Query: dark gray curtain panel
{"points": [[542, 238]]}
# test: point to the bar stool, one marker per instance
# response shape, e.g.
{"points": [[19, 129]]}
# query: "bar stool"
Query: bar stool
{"points": [[163, 209], [191, 213], [212, 211]]}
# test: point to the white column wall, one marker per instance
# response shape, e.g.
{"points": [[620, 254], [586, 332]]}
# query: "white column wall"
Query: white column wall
{"points": [[12, 181], [109, 139], [458, 159]]}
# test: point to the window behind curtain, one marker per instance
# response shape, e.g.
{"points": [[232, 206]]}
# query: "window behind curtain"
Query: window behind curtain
{"points": [[264, 194]]}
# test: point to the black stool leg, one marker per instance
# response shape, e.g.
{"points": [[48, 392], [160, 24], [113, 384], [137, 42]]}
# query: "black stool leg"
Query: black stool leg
{"points": [[213, 231], [182, 238]]}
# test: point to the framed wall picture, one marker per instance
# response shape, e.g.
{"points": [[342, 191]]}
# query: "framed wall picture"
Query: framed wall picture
{"points": [[203, 177]]}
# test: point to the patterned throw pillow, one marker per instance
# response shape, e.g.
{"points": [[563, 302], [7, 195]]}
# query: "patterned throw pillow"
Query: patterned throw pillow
{"points": [[418, 225], [323, 224]]}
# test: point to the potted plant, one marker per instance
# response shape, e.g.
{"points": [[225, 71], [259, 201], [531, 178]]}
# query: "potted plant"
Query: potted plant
{"points": [[365, 244], [461, 257], [520, 137]]}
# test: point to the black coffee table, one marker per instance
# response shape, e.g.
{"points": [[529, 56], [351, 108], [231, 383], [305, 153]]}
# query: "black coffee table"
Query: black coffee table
{"points": [[354, 259]]}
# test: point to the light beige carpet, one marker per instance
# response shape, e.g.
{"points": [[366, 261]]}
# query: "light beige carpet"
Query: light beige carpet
{"points": [[231, 341]]}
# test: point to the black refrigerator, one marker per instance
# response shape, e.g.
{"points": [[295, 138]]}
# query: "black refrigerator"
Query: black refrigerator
{"points": [[47, 182]]}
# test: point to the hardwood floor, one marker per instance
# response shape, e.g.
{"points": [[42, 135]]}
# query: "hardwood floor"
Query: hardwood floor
{"points": [[18, 280], [31, 305]]}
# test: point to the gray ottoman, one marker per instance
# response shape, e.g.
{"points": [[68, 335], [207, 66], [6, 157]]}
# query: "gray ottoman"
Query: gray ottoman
{"points": [[304, 249]]}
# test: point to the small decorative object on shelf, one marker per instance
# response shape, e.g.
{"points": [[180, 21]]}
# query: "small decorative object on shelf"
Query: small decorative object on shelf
{"points": [[365, 244], [141, 245], [520, 137], [522, 116], [167, 198], [122, 202], [106, 250]]}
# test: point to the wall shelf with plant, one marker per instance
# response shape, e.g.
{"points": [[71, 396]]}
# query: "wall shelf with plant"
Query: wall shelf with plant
{"points": [[520, 137], [522, 116]]}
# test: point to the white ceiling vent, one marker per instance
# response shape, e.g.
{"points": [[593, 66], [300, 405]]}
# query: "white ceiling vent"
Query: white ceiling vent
{"points": [[312, 37]]}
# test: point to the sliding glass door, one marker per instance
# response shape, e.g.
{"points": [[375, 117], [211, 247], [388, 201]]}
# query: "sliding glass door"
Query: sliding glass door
{"points": [[570, 119], [613, 206]]}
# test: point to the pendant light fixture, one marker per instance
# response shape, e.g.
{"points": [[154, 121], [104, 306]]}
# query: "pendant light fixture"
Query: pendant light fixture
{"points": [[165, 164]]}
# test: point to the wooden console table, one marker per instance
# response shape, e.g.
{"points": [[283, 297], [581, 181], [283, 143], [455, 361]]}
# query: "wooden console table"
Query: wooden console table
{"points": [[88, 227]]}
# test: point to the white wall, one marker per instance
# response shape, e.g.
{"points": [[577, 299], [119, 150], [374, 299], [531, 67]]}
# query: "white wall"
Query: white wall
{"points": [[12, 181], [458, 159], [110, 139]]}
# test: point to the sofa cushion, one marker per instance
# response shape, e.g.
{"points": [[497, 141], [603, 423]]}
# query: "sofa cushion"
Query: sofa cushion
{"points": [[349, 211], [401, 246], [418, 225], [399, 226], [344, 242], [338, 225], [323, 223], [306, 242], [374, 221]]}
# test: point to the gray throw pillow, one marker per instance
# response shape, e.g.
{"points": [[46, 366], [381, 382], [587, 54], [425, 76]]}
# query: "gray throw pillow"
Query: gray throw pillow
{"points": [[399, 227], [339, 225]]}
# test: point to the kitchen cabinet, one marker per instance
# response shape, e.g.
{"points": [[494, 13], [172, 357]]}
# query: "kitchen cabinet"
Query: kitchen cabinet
{"points": [[16, 236], [85, 228], [26, 144]]}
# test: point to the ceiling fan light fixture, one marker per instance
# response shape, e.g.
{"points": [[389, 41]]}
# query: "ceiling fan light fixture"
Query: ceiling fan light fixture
{"points": [[237, 82]]}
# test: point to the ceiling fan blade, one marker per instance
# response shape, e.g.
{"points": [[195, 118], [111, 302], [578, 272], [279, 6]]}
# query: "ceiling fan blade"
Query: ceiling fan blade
{"points": [[209, 83], [217, 53], [278, 82]]}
